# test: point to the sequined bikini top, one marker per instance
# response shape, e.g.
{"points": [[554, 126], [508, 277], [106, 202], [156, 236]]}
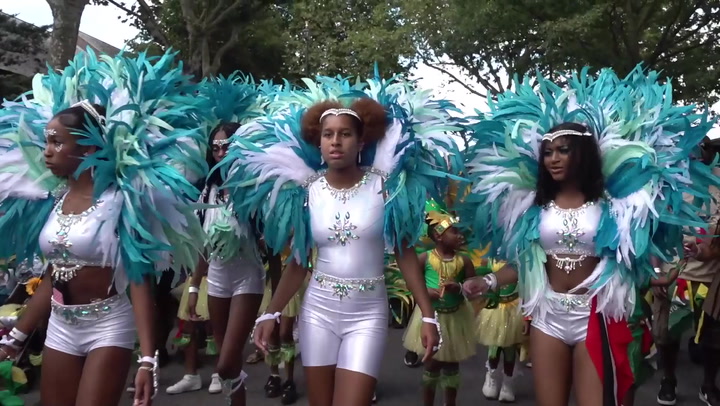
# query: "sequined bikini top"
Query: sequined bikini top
{"points": [[72, 241], [569, 232]]}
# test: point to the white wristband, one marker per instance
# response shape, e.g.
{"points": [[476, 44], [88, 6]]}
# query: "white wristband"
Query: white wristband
{"points": [[193, 289], [491, 281], [657, 270], [434, 320], [149, 360], [18, 335], [268, 316], [430, 320]]}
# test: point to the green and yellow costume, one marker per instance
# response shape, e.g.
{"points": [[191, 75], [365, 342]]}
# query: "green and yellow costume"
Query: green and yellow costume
{"points": [[500, 323], [453, 312]]}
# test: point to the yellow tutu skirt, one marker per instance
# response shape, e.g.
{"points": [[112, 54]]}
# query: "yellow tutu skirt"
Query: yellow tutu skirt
{"points": [[202, 305], [457, 334], [292, 309], [502, 326]]}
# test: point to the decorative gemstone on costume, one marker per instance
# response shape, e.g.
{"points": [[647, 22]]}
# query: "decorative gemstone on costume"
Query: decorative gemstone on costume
{"points": [[65, 267], [570, 237], [571, 302], [343, 229], [344, 195], [343, 286], [90, 312]]}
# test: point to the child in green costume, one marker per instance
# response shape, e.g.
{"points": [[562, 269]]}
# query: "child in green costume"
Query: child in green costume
{"points": [[445, 270]]}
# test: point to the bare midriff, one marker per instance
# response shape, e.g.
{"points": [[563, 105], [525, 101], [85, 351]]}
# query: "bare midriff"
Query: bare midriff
{"points": [[562, 281], [89, 285]]}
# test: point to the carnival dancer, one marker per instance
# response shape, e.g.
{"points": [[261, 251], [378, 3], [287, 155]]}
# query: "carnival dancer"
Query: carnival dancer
{"points": [[233, 263], [501, 328], [312, 189], [445, 271], [579, 230], [96, 181]]}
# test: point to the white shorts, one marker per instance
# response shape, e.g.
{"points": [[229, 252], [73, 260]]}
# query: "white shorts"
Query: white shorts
{"points": [[77, 330], [236, 276], [566, 319], [350, 333]]}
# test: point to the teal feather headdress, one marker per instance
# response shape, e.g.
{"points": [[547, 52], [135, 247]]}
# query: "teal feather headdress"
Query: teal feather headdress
{"points": [[269, 164], [646, 142], [147, 148]]}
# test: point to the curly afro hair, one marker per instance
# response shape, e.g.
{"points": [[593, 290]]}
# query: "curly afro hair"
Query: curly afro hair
{"points": [[371, 126]]}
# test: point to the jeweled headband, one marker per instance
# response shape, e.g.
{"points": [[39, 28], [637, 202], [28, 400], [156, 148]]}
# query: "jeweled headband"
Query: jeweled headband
{"points": [[554, 135], [338, 112], [88, 107], [221, 142]]}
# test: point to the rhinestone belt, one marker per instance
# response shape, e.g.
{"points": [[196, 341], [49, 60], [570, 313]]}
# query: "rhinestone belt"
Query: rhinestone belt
{"points": [[84, 313], [572, 302], [343, 286]]}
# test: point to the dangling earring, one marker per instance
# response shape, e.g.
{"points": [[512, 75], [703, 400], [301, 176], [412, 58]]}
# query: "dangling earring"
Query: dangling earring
{"points": [[359, 156], [322, 160], [92, 171]]}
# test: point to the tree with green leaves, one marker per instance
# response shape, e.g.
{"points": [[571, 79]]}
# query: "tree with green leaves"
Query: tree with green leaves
{"points": [[492, 40], [212, 36], [22, 54], [346, 37], [275, 39]]}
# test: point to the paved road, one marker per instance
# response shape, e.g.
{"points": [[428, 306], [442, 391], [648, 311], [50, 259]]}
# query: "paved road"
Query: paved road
{"points": [[399, 385]]}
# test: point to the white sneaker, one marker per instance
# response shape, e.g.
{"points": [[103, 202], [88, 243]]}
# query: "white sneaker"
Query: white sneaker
{"points": [[215, 384], [491, 388], [507, 395], [188, 383]]}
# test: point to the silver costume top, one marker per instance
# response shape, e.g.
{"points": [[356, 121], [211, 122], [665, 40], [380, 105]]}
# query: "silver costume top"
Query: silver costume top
{"points": [[72, 241], [347, 228], [569, 232]]}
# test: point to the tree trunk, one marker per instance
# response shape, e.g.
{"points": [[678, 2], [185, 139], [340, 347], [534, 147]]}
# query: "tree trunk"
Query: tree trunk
{"points": [[66, 25]]}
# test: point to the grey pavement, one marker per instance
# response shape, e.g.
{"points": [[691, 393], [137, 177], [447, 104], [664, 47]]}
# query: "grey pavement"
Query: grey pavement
{"points": [[400, 385]]}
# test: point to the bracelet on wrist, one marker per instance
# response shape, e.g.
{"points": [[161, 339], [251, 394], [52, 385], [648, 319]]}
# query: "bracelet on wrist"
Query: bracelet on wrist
{"points": [[491, 281], [18, 335], [434, 320], [268, 316], [193, 289]]}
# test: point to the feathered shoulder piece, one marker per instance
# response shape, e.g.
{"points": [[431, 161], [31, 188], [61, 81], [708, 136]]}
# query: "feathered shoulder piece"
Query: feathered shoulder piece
{"points": [[148, 145], [270, 165], [645, 142]]}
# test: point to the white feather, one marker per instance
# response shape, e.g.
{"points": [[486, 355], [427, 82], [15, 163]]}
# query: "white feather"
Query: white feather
{"points": [[385, 158]]}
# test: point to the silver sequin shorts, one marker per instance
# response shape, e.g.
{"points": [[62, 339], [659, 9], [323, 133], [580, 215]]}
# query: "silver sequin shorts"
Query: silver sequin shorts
{"points": [[566, 318]]}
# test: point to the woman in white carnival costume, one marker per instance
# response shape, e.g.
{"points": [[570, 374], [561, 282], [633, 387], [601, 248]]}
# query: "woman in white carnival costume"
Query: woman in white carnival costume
{"points": [[578, 187], [93, 176], [233, 265], [308, 184]]}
